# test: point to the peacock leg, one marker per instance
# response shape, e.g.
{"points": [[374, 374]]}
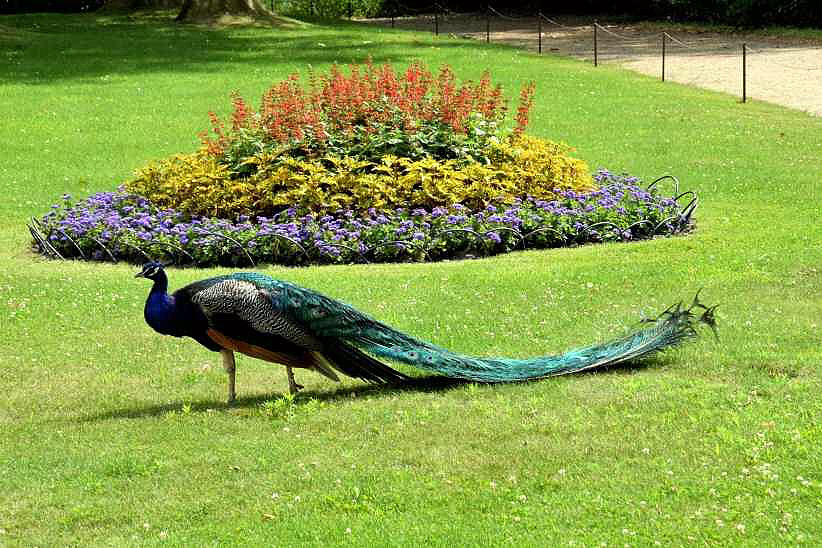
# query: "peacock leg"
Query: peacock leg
{"points": [[293, 387], [229, 365]]}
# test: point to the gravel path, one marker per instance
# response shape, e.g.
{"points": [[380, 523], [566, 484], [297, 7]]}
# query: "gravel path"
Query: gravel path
{"points": [[779, 70]]}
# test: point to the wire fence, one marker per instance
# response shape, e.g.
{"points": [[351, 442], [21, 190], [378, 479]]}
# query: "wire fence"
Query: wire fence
{"points": [[686, 59]]}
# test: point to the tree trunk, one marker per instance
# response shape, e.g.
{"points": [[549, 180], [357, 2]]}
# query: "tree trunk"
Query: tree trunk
{"points": [[205, 9]]}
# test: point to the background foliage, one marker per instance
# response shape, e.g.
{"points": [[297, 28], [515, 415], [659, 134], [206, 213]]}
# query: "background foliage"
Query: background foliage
{"points": [[729, 12], [748, 13]]}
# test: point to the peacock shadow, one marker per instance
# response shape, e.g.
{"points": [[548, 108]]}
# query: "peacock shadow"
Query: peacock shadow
{"points": [[428, 383]]}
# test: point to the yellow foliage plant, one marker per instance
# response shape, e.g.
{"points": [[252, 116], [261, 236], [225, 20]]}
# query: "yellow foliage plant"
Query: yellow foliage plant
{"points": [[519, 165]]}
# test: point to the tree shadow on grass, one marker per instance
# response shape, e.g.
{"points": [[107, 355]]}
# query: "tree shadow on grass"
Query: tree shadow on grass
{"points": [[86, 48]]}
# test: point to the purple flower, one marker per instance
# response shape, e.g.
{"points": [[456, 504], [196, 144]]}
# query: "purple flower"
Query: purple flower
{"points": [[110, 215]]}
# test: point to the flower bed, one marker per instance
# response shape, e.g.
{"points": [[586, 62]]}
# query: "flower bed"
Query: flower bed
{"points": [[121, 226], [373, 166]]}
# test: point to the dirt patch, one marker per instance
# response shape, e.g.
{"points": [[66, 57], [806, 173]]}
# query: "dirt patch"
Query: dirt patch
{"points": [[779, 70]]}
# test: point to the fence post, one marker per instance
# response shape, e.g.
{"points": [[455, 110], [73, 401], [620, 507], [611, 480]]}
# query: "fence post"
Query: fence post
{"points": [[744, 72], [436, 21], [487, 24], [664, 36], [595, 43], [539, 32], [350, 10]]}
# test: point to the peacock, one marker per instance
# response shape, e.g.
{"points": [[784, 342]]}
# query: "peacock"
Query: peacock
{"points": [[284, 323]]}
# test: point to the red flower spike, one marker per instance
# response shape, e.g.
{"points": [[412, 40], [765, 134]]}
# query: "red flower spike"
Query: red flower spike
{"points": [[526, 100], [365, 98]]}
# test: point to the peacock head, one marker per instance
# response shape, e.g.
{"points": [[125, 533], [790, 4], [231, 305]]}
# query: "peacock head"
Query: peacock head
{"points": [[151, 270]]}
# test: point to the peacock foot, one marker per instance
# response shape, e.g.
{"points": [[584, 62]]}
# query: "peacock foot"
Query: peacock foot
{"points": [[293, 387]]}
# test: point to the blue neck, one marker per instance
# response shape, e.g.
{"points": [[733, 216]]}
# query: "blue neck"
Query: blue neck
{"points": [[159, 310]]}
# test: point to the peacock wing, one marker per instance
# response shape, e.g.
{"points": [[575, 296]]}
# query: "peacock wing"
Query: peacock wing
{"points": [[281, 322], [314, 312], [243, 310], [330, 319]]}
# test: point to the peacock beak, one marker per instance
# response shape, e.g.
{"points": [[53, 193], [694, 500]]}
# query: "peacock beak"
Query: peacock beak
{"points": [[140, 274]]}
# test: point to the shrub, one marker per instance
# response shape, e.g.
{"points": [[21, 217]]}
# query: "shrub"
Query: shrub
{"points": [[122, 226], [369, 138], [327, 8]]}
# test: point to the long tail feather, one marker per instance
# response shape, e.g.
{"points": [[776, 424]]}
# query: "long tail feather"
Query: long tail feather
{"points": [[353, 362], [672, 327], [356, 335]]}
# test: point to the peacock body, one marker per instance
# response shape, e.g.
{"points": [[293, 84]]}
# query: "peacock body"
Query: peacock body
{"points": [[281, 322]]}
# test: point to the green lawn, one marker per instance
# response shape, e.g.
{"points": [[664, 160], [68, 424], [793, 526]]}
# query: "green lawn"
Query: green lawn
{"points": [[113, 435]]}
